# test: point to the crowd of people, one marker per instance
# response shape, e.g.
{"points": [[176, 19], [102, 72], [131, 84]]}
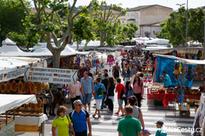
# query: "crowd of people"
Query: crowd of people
{"points": [[126, 81]]}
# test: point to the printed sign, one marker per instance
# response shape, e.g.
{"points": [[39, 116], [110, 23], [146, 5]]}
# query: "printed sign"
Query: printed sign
{"points": [[7, 75], [50, 75]]}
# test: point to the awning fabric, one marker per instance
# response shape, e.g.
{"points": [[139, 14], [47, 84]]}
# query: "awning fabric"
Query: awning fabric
{"points": [[10, 101]]}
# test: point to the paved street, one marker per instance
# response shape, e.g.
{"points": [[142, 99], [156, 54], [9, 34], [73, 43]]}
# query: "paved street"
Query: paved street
{"points": [[107, 125]]}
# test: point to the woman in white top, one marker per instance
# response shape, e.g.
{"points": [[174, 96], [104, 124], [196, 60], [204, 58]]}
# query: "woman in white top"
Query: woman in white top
{"points": [[75, 91]]}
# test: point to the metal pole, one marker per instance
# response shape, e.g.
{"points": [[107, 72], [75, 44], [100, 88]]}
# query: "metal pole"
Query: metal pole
{"points": [[204, 33], [187, 8]]}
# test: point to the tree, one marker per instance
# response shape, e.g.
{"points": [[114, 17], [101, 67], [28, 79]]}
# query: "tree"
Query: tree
{"points": [[83, 29], [129, 31], [55, 20], [196, 24], [11, 14], [174, 28], [107, 17], [119, 33]]}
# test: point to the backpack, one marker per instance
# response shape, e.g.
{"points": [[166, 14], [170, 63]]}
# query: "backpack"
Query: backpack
{"points": [[100, 90]]}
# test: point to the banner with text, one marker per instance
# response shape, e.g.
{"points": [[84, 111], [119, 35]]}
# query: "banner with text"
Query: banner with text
{"points": [[50, 75], [8, 74]]}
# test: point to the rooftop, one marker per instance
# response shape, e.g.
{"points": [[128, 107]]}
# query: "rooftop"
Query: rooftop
{"points": [[145, 6]]}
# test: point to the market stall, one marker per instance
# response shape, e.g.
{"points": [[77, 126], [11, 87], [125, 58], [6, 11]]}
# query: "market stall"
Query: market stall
{"points": [[10, 102], [12, 82], [184, 79]]}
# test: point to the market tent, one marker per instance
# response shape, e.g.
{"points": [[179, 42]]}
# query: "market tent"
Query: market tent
{"points": [[14, 67], [10, 48], [9, 101], [158, 41], [8, 41], [15, 62], [185, 61], [39, 50]]}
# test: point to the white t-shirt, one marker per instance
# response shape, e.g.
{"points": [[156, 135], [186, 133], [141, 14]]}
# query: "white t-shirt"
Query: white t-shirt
{"points": [[75, 89]]}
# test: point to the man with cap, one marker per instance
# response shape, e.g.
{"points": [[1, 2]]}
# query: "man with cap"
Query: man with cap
{"points": [[80, 119], [160, 131]]}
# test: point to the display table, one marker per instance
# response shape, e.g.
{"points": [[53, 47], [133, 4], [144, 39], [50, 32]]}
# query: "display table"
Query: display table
{"points": [[157, 92], [29, 123], [8, 129]]}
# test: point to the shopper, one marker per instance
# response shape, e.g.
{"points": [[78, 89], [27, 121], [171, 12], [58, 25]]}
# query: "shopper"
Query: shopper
{"points": [[98, 94], [160, 131], [138, 88], [129, 126], [81, 120], [87, 89], [166, 80], [75, 91], [128, 91], [105, 81], [120, 89], [110, 94], [137, 113], [116, 71], [62, 123]]}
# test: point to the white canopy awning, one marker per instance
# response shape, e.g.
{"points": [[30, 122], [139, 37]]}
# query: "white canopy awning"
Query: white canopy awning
{"points": [[14, 67], [40, 50], [9, 101]]}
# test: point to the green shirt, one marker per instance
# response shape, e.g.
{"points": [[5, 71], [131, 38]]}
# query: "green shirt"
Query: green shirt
{"points": [[129, 126], [62, 125], [160, 132]]}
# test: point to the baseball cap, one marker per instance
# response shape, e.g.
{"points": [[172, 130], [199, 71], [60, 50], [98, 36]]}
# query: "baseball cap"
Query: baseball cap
{"points": [[77, 102]]}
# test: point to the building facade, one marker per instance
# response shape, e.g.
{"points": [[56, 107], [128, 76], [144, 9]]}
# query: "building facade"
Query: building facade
{"points": [[148, 18]]}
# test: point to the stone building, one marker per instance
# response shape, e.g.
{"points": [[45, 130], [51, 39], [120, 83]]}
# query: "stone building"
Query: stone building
{"points": [[148, 18]]}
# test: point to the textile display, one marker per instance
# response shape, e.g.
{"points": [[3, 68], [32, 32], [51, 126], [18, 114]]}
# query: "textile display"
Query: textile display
{"points": [[169, 64]]}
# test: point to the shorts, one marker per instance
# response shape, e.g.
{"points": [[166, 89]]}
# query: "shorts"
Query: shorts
{"points": [[86, 99], [120, 102], [98, 103], [84, 133]]}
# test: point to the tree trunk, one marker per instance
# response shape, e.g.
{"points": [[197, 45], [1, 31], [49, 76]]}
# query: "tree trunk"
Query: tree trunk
{"points": [[56, 59], [77, 46], [102, 39]]}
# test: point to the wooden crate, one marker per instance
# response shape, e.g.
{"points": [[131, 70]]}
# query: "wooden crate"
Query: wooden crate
{"points": [[27, 128]]}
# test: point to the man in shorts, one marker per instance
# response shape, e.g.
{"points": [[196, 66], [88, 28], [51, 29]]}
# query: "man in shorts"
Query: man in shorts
{"points": [[87, 89], [99, 89]]}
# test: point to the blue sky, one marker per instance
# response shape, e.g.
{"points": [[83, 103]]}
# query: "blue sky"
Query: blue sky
{"points": [[134, 3]]}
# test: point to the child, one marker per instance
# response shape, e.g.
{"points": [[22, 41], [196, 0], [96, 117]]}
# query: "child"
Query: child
{"points": [[160, 131], [120, 89]]}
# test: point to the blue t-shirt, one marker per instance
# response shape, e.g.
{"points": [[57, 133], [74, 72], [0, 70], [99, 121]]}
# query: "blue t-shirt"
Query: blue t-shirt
{"points": [[79, 120], [99, 89], [87, 84], [167, 81]]}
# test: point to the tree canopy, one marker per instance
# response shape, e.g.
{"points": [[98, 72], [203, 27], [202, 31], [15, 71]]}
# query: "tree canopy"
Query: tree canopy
{"points": [[174, 28], [12, 12], [54, 19]]}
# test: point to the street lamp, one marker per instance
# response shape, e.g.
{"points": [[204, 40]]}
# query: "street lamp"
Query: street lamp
{"points": [[204, 31], [187, 22]]}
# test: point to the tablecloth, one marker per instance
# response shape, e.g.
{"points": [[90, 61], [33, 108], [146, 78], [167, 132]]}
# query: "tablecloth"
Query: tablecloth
{"points": [[30, 120]]}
